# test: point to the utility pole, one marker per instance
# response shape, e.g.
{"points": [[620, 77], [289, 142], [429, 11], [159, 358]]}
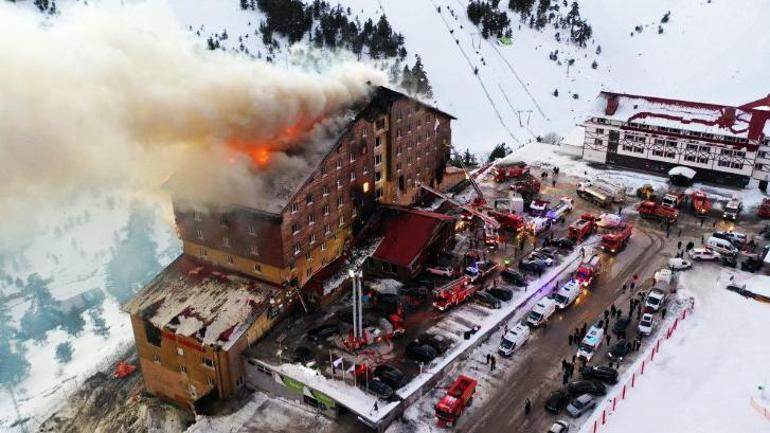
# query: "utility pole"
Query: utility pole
{"points": [[19, 421]]}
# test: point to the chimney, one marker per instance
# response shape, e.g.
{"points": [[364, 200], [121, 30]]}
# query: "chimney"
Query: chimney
{"points": [[728, 116], [612, 105]]}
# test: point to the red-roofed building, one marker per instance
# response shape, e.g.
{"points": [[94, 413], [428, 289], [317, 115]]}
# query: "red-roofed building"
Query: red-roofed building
{"points": [[723, 144], [411, 238]]}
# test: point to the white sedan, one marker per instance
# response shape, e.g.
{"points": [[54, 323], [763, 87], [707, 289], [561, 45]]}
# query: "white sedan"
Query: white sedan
{"points": [[677, 264], [699, 254], [646, 324]]}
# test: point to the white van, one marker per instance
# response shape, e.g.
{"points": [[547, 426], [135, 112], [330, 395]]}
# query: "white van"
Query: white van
{"points": [[514, 339], [722, 246], [591, 342], [662, 278], [538, 225], [566, 294], [541, 312]]}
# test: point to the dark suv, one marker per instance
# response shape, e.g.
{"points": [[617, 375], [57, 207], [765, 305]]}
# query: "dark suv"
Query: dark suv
{"points": [[579, 387], [420, 352], [392, 376], [323, 332], [600, 372], [514, 277], [436, 341]]}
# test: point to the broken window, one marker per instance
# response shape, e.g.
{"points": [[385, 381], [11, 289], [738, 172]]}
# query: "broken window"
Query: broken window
{"points": [[152, 334]]}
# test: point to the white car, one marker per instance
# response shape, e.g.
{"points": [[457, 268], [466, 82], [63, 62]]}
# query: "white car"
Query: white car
{"points": [[609, 220], [559, 426], [699, 254], [646, 323], [443, 271], [655, 299], [677, 264]]}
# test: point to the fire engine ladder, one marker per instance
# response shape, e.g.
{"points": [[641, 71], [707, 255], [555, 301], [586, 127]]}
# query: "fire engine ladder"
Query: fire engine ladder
{"points": [[489, 221], [472, 180]]}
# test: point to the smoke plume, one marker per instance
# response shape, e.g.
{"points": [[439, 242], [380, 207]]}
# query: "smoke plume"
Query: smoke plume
{"points": [[124, 96]]}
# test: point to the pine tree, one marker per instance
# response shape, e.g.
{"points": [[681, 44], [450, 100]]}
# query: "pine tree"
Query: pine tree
{"points": [[500, 151], [469, 159]]}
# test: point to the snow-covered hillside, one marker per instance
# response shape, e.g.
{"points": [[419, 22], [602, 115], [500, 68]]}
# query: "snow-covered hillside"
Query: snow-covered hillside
{"points": [[511, 98]]}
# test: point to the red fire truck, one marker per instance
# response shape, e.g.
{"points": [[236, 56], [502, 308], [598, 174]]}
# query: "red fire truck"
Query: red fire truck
{"points": [[588, 270], [509, 220], [459, 396], [582, 228], [673, 199], [617, 239], [505, 172], [528, 186], [701, 205], [652, 210], [764, 209], [453, 293]]}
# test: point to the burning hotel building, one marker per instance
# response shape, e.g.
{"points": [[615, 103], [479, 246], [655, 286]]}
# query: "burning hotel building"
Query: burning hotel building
{"points": [[243, 266]]}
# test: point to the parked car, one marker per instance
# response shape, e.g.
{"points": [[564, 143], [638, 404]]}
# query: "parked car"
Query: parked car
{"points": [[593, 387], [436, 341], [560, 426], [320, 333], [654, 301], [417, 290], [543, 257], [699, 254], [379, 389], [303, 355], [487, 300], [513, 339], [600, 372], [514, 277], [751, 264], [532, 264], [556, 401], [501, 294], [563, 243], [619, 350], [646, 324], [621, 324], [728, 261], [420, 352], [581, 405], [737, 239], [392, 376], [551, 252], [677, 264], [441, 271]]}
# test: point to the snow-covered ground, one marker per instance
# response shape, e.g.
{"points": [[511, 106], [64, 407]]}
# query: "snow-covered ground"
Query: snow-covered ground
{"points": [[704, 377]]}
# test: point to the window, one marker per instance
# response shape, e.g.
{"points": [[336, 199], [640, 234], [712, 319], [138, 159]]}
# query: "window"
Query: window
{"points": [[398, 150], [341, 220], [377, 141], [398, 115], [323, 245], [294, 208], [211, 382], [339, 183], [239, 381], [398, 166], [297, 249], [600, 131], [598, 141], [339, 164], [366, 186], [323, 170], [254, 250], [325, 190], [252, 229], [203, 252], [199, 234], [292, 267], [308, 256], [294, 228], [377, 176], [230, 260], [312, 238], [758, 166], [309, 198], [180, 351], [377, 159], [398, 132], [353, 176], [156, 358], [326, 209], [207, 362], [327, 230], [311, 219], [309, 271], [380, 124], [378, 193], [352, 157], [226, 242], [257, 268], [197, 216], [340, 201], [183, 369], [364, 132]]}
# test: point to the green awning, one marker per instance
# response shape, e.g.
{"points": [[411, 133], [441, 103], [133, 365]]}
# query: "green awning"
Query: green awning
{"points": [[323, 398], [293, 384]]}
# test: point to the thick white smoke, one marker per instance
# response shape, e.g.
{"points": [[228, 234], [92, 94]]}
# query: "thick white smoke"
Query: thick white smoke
{"points": [[125, 96]]}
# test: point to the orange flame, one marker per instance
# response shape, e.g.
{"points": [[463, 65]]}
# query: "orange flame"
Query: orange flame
{"points": [[260, 151]]}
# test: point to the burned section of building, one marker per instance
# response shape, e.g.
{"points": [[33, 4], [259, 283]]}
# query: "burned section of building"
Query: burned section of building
{"points": [[243, 266], [721, 144]]}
